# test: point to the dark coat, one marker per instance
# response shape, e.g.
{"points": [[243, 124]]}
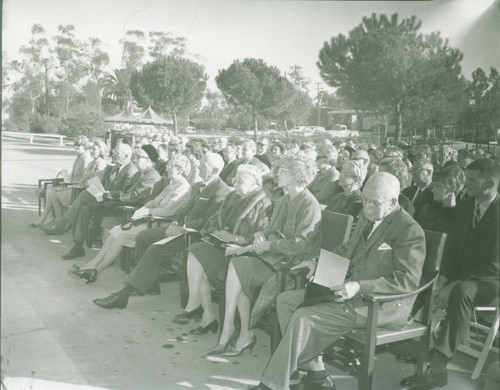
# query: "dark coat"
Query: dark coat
{"points": [[423, 199], [476, 250]]}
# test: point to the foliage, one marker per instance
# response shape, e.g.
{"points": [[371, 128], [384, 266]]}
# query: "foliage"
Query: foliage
{"points": [[387, 66], [482, 113], [214, 114], [164, 44], [253, 86], [170, 86], [40, 123], [84, 120]]}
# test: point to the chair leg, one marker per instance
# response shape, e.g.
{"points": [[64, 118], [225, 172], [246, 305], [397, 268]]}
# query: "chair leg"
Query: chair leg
{"points": [[275, 332], [365, 379], [486, 347]]}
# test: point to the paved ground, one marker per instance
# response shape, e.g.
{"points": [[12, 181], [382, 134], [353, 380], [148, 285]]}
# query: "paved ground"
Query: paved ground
{"points": [[51, 330]]}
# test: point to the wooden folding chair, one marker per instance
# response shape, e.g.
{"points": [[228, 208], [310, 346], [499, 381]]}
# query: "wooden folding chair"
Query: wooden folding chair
{"points": [[373, 336]]}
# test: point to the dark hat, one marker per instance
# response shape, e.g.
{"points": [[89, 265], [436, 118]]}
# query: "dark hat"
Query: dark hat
{"points": [[151, 152]]}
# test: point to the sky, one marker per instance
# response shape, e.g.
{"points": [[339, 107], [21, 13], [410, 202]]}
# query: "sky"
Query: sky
{"points": [[282, 33]]}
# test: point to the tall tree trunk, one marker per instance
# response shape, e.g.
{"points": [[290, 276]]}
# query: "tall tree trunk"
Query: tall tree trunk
{"points": [[286, 131], [398, 119], [174, 119], [255, 128]]}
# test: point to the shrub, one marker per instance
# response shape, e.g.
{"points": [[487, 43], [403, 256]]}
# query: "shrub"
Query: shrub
{"points": [[44, 124], [84, 120]]}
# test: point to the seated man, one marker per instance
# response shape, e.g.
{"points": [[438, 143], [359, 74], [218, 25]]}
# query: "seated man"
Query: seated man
{"points": [[387, 252], [115, 178], [470, 277], [248, 157], [205, 199]]}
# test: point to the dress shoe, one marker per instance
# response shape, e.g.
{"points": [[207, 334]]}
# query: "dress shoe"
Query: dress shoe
{"points": [[154, 290], [75, 252], [186, 316], [220, 349], [213, 326], [89, 274], [431, 380], [114, 301], [34, 224], [307, 384], [233, 352]]}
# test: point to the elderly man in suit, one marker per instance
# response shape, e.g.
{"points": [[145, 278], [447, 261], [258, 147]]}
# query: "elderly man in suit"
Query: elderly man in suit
{"points": [[470, 276], [420, 193], [115, 178], [387, 252], [205, 199]]}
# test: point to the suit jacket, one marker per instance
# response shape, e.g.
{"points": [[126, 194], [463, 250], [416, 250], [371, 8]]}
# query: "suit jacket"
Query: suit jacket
{"points": [[325, 184], [350, 205], [389, 262], [476, 250], [116, 179], [424, 198], [204, 202], [140, 187]]}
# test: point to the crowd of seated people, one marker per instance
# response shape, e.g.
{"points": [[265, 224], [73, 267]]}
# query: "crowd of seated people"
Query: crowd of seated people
{"points": [[267, 197]]}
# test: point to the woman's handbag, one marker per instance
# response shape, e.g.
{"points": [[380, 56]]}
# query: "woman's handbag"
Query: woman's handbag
{"points": [[133, 222]]}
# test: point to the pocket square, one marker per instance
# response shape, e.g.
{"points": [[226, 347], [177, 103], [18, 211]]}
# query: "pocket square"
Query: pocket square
{"points": [[384, 247]]}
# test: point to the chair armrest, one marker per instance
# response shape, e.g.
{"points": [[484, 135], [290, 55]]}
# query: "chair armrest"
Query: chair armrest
{"points": [[152, 219], [388, 298], [67, 184]]}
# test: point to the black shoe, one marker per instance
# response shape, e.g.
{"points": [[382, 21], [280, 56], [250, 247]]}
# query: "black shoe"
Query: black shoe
{"points": [[89, 274], [75, 252], [213, 326], [432, 379], [59, 226], [307, 384], [114, 301], [186, 316]]}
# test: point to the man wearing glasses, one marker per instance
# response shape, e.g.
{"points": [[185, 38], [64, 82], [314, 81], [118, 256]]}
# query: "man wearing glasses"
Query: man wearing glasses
{"points": [[386, 252], [421, 192]]}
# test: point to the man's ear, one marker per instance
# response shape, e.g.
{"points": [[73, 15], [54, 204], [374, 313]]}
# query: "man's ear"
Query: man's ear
{"points": [[394, 202], [488, 184]]}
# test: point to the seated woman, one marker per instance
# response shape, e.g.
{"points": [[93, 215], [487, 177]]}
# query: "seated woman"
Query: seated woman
{"points": [[294, 231], [169, 203], [351, 179], [245, 211], [194, 152], [438, 215], [59, 197], [325, 183]]}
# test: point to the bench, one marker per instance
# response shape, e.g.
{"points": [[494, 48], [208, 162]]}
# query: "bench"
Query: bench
{"points": [[32, 136]]}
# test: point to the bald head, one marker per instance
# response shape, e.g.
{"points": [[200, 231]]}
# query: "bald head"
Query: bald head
{"points": [[384, 185], [211, 165]]}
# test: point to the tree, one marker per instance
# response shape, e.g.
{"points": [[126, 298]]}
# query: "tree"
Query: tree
{"points": [[214, 114], [170, 85], [70, 53], [252, 86], [133, 50], [164, 44], [386, 66]]}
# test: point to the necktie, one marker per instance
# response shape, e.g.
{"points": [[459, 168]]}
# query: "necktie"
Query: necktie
{"points": [[477, 216], [367, 230], [417, 193]]}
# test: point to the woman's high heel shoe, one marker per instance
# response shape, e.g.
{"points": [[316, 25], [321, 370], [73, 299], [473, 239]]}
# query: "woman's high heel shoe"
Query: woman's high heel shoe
{"points": [[213, 326], [186, 316], [233, 352], [220, 349], [89, 274]]}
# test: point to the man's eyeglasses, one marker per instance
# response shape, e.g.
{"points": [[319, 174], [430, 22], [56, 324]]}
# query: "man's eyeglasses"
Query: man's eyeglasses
{"points": [[373, 203]]}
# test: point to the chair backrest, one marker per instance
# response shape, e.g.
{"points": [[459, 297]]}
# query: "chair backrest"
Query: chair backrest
{"points": [[336, 229], [434, 246]]}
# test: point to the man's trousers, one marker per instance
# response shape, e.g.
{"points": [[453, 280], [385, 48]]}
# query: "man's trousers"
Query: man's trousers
{"points": [[463, 298], [151, 259], [307, 332]]}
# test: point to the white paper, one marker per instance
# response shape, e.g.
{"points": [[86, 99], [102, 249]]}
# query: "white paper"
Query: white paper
{"points": [[233, 249], [96, 182], [138, 214], [167, 239], [331, 269], [95, 188]]}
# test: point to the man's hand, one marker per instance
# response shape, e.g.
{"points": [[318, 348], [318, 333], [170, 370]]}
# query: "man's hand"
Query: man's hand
{"points": [[310, 264], [260, 244], [142, 212], [346, 291]]}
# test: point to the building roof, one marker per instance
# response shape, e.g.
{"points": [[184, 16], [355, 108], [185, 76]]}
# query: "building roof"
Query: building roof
{"points": [[147, 117]]}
